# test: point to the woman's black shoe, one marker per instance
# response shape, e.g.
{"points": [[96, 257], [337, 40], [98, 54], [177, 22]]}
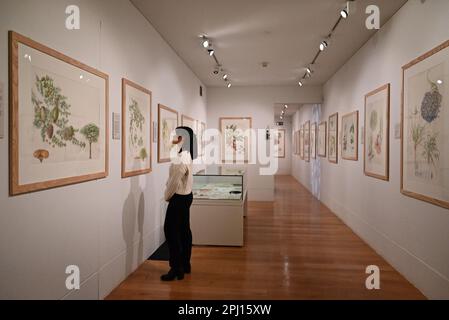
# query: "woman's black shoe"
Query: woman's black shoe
{"points": [[172, 275]]}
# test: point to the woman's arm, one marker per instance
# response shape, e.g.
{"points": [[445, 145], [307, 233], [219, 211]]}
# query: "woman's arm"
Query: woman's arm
{"points": [[176, 174]]}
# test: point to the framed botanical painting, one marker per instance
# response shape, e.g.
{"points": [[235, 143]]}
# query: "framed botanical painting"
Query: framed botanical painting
{"points": [[313, 134], [350, 136], [425, 127], [189, 122], [167, 120], [377, 124], [235, 139], [333, 138], [301, 143], [58, 118], [307, 141], [201, 138], [279, 143], [322, 133], [136, 129]]}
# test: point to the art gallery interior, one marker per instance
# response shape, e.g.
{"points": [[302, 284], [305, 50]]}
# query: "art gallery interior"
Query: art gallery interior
{"points": [[355, 118]]}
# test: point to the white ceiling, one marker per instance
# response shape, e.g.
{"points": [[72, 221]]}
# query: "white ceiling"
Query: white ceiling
{"points": [[245, 33]]}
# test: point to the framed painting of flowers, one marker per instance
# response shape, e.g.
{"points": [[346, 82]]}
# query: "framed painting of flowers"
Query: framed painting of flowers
{"points": [[425, 127]]}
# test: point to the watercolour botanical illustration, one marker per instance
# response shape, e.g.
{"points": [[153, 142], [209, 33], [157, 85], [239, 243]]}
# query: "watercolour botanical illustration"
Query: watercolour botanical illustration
{"points": [[313, 130], [136, 138], [332, 136], [307, 141], [52, 117], [279, 143], [322, 139], [424, 131], [235, 138], [349, 136], [376, 146], [425, 121]]}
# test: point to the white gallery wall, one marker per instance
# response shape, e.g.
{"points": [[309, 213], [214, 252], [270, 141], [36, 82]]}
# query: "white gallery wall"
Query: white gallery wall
{"points": [[106, 227], [257, 103], [285, 163], [412, 235]]}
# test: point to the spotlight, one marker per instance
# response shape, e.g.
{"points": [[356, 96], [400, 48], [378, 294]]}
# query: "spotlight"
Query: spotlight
{"points": [[285, 106], [225, 77], [323, 45], [211, 52], [344, 13], [440, 81], [309, 71], [300, 83], [205, 42], [229, 85]]}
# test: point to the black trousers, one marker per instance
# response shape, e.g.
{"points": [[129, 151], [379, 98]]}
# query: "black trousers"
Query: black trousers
{"points": [[177, 231]]}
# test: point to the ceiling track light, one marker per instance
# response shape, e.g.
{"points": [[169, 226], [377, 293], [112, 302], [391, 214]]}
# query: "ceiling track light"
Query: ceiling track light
{"points": [[206, 42], [300, 83], [323, 45], [285, 106], [344, 13], [308, 70], [229, 85], [225, 77], [211, 52]]}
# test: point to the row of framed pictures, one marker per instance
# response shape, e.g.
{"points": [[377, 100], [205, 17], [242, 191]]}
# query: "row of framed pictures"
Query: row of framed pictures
{"points": [[424, 135], [58, 121]]}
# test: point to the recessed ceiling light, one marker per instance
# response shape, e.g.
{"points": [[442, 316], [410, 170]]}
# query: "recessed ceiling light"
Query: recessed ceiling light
{"points": [[81, 77], [440, 81]]}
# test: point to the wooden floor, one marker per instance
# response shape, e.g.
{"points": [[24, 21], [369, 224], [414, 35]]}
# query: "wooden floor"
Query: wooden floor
{"points": [[294, 249]]}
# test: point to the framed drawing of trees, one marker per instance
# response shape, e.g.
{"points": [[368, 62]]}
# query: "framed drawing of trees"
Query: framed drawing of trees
{"points": [[322, 133], [136, 129], [279, 143], [167, 120], [377, 123], [425, 127], [333, 138], [350, 136], [313, 131], [307, 141], [235, 139], [58, 118]]}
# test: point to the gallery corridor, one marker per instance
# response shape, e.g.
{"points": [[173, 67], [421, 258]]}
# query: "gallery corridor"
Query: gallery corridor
{"points": [[294, 249]]}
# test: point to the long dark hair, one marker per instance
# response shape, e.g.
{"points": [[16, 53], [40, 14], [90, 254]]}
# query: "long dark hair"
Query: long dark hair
{"points": [[189, 141]]}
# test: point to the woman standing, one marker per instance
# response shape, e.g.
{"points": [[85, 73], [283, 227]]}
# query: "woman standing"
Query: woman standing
{"points": [[178, 193]]}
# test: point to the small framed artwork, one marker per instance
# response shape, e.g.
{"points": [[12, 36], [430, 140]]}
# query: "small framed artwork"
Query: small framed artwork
{"points": [[188, 122], [235, 139], [322, 133], [136, 129], [301, 142], [279, 143], [201, 138], [425, 127], [167, 121], [333, 138], [313, 131], [350, 136], [58, 118], [377, 133]]}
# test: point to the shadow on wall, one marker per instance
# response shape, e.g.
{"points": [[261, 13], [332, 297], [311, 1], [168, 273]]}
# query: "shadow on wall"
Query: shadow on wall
{"points": [[133, 212]]}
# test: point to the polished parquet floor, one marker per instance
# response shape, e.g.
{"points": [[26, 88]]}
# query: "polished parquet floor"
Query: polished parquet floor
{"points": [[295, 248]]}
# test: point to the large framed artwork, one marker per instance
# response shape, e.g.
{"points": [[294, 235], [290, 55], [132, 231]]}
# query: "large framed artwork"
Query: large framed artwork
{"points": [[301, 143], [58, 118], [333, 138], [377, 133], [322, 133], [136, 129], [425, 127], [235, 139], [350, 136], [279, 143], [313, 131], [167, 120], [307, 141]]}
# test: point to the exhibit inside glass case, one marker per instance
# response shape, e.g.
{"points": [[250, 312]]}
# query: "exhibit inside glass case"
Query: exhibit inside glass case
{"points": [[219, 206], [219, 183]]}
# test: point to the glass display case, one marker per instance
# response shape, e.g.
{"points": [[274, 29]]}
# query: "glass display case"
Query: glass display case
{"points": [[219, 206], [219, 183]]}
